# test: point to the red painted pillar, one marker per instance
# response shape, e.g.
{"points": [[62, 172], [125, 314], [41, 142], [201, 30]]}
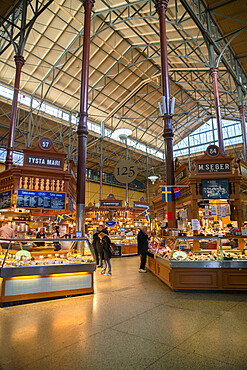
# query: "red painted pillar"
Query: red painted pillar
{"points": [[19, 62], [161, 6], [82, 131], [242, 114], [214, 75]]}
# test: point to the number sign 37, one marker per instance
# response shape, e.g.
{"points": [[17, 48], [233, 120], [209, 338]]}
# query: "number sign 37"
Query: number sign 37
{"points": [[125, 171]]}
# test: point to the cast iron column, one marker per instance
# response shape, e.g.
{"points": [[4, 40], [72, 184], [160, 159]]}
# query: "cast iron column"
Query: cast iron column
{"points": [[19, 62], [101, 170], [82, 131], [161, 6], [242, 114], [127, 185], [214, 75], [147, 181]]}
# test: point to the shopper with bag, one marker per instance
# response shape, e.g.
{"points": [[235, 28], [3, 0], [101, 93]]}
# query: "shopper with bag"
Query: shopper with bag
{"points": [[106, 246]]}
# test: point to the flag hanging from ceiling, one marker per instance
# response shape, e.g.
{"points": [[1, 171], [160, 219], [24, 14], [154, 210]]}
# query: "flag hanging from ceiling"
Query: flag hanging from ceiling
{"points": [[166, 194], [126, 213], [177, 192], [147, 214], [97, 217], [60, 218]]}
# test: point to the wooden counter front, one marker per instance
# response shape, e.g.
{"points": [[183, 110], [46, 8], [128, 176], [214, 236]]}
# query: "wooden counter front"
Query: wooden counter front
{"points": [[38, 287], [198, 278], [129, 249]]}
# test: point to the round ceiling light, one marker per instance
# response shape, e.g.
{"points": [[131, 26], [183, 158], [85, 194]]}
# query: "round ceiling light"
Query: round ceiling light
{"points": [[123, 133]]}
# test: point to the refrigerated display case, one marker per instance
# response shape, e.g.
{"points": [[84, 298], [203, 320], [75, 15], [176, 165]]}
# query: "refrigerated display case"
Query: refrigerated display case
{"points": [[33, 273], [182, 267]]}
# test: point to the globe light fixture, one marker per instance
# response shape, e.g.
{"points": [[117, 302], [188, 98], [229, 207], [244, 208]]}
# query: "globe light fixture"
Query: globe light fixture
{"points": [[153, 178], [123, 133]]}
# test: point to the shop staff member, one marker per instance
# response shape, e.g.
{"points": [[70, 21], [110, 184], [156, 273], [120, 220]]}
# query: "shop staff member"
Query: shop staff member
{"points": [[142, 242], [6, 232], [41, 235], [233, 242]]}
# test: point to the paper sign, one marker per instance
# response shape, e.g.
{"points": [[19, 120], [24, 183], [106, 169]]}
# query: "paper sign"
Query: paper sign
{"points": [[213, 210], [206, 211], [218, 211], [244, 231], [195, 224], [169, 216], [223, 211]]}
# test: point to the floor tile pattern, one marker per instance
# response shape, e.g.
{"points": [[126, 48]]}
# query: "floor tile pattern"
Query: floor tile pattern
{"points": [[133, 321]]}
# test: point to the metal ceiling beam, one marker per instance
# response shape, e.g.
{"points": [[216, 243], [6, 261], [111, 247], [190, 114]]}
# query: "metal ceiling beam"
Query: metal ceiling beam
{"points": [[209, 37]]}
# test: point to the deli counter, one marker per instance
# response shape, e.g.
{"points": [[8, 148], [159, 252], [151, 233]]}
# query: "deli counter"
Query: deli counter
{"points": [[127, 244], [188, 263], [31, 272]]}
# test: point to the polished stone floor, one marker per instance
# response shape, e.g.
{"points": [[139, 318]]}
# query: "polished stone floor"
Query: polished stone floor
{"points": [[133, 321]]}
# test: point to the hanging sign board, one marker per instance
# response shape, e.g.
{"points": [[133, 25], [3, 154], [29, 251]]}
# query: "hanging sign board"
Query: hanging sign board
{"points": [[111, 223], [141, 205], [125, 171], [215, 189], [41, 161], [213, 167], [40, 199], [5, 199], [111, 204], [44, 155]]}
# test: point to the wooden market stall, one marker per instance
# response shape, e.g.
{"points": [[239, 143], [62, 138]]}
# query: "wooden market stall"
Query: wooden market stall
{"points": [[123, 222], [41, 187], [215, 193]]}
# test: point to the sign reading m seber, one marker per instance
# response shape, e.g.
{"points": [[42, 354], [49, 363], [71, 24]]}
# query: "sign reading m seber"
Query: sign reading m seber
{"points": [[213, 167], [36, 160]]}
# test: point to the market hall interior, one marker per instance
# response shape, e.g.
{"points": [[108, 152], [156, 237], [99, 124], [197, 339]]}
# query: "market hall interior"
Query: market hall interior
{"points": [[133, 321]]}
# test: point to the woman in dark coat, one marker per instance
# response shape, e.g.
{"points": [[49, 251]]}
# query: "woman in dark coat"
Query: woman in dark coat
{"points": [[106, 242]]}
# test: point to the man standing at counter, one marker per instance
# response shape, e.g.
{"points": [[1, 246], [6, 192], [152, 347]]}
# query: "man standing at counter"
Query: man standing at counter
{"points": [[142, 242], [6, 232]]}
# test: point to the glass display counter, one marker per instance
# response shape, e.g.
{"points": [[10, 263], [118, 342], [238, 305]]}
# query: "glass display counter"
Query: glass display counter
{"points": [[128, 244], [185, 263], [31, 272]]}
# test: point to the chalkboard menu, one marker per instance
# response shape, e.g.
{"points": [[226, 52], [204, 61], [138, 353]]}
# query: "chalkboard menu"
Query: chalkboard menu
{"points": [[215, 189], [40, 199], [5, 199]]}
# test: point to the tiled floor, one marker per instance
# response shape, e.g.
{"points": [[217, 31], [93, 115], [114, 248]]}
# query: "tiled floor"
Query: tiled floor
{"points": [[133, 321]]}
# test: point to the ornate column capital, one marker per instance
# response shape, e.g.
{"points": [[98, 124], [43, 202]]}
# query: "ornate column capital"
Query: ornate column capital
{"points": [[88, 4], [213, 71], [19, 60], [241, 108], [161, 5]]}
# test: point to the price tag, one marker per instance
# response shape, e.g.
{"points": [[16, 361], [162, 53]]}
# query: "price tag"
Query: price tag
{"points": [[125, 171]]}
